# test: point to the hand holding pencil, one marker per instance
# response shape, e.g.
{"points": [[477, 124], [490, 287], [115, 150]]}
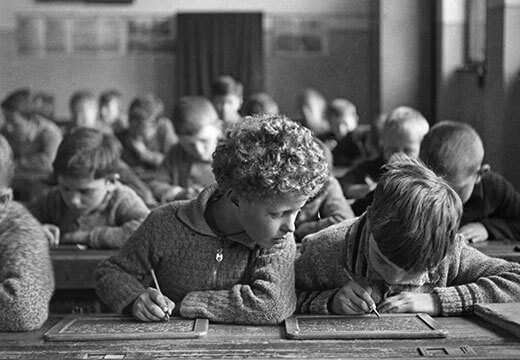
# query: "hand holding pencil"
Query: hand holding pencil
{"points": [[153, 305], [353, 298]]}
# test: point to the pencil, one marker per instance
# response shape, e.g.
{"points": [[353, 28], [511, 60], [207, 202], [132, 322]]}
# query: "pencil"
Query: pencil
{"points": [[373, 307], [166, 315]]}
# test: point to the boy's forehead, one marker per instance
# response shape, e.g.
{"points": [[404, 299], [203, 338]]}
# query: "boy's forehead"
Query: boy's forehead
{"points": [[87, 181]]}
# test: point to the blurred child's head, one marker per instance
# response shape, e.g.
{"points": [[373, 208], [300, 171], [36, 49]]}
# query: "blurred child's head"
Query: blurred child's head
{"points": [[312, 106], [403, 131], [197, 125], [6, 173], [227, 97], [86, 167], [259, 103], [83, 107], [19, 113], [44, 104], [110, 106], [413, 220], [342, 116], [455, 151], [143, 114], [269, 166]]}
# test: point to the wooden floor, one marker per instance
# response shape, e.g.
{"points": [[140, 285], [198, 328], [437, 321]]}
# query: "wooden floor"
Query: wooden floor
{"points": [[468, 338]]}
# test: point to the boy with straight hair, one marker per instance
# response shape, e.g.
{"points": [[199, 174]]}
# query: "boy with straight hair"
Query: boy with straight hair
{"points": [[89, 206], [402, 255], [26, 277], [227, 255], [227, 97], [455, 151]]}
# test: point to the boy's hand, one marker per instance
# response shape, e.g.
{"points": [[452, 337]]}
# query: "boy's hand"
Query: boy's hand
{"points": [[410, 302], [152, 306], [52, 233], [351, 299], [78, 237], [474, 232]]}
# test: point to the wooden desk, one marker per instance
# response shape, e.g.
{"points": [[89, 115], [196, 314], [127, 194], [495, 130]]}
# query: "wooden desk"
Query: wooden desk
{"points": [[263, 342], [504, 249], [74, 268]]}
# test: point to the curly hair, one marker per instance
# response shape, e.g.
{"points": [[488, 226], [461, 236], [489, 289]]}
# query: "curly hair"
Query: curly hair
{"points": [[6, 163], [265, 156]]}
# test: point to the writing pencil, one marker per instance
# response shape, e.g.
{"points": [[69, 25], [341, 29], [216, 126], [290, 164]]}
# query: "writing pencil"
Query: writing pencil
{"points": [[166, 315], [373, 308]]}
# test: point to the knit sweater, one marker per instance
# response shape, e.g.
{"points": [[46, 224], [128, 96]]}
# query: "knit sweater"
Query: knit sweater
{"points": [[328, 207], [464, 278], [26, 276], [249, 285], [110, 225]]}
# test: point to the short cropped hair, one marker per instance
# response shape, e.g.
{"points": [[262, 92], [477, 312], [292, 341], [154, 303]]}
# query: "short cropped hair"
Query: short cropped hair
{"points": [[6, 163], [79, 97], [414, 216], [405, 119], [87, 152], [143, 108], [192, 113], [259, 103], [107, 96], [450, 149], [339, 107], [226, 85], [266, 156], [20, 100]]}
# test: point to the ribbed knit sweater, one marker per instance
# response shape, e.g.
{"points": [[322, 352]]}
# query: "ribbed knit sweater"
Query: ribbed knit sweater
{"points": [[249, 285], [464, 278], [26, 277]]}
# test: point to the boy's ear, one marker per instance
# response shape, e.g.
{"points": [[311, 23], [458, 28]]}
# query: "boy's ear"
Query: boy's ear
{"points": [[6, 195]]}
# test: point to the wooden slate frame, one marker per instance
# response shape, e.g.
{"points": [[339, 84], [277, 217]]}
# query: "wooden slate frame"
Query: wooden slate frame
{"points": [[429, 327], [61, 331]]}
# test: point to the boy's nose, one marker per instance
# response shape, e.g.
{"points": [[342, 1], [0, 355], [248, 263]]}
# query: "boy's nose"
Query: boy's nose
{"points": [[288, 225], [75, 199]]}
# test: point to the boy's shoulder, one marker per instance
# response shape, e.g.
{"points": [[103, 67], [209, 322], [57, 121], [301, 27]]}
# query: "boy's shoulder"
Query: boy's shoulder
{"points": [[331, 237], [19, 219]]}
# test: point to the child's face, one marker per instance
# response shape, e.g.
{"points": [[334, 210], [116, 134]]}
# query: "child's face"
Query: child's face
{"points": [[86, 114], [464, 183], [84, 194], [406, 142], [227, 107], [391, 273], [202, 145], [144, 129], [341, 125], [17, 125], [269, 221], [111, 111]]}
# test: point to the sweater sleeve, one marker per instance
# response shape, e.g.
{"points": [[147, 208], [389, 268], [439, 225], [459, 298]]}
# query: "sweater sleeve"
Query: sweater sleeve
{"points": [[49, 141], [268, 298], [26, 277], [474, 277], [504, 222], [129, 212]]}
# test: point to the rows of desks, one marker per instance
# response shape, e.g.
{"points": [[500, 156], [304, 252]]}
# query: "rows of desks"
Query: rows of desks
{"points": [[468, 338]]}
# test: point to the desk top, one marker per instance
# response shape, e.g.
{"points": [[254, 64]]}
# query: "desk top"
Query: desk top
{"points": [[478, 338]]}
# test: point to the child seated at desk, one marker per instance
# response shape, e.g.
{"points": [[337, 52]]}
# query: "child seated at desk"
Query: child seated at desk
{"points": [[227, 255], [186, 169], [455, 151], [26, 277], [110, 113], [227, 97], [403, 254], [89, 206]]}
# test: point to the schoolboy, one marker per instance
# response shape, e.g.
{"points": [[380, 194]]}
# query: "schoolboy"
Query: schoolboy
{"points": [[455, 151], [89, 206], [34, 141], [110, 112], [227, 255], [227, 97], [83, 108], [403, 131], [259, 103], [26, 277], [149, 135], [312, 106], [403, 255], [186, 168]]}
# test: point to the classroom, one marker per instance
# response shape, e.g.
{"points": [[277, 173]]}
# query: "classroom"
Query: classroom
{"points": [[265, 179]]}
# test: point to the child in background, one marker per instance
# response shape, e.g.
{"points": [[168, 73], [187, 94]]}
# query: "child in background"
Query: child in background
{"points": [[89, 206], [34, 141], [312, 105], [403, 131], [491, 204], [227, 97], [227, 255], [26, 277], [403, 255], [259, 103], [83, 108], [110, 113], [186, 168], [148, 137]]}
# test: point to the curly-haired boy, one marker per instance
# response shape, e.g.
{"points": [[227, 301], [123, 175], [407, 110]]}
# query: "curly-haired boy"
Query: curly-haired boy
{"points": [[227, 255]]}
